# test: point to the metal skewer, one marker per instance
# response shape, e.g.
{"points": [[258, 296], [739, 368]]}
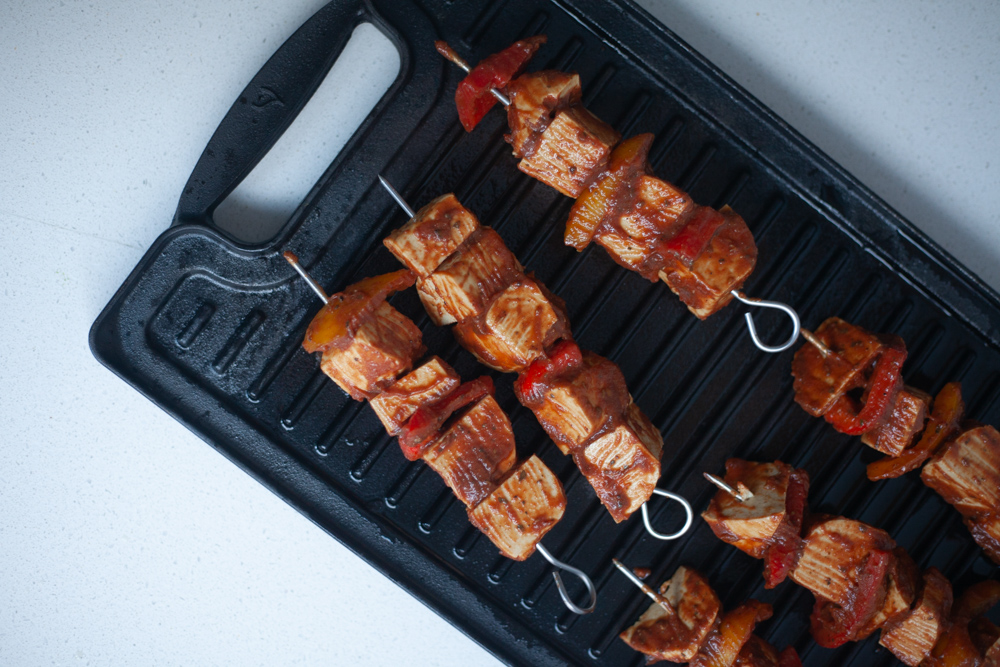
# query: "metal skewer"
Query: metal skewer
{"points": [[688, 512], [740, 493], [291, 258], [458, 60], [646, 588]]}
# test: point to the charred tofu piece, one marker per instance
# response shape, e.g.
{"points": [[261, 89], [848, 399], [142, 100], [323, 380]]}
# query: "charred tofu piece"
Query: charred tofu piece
{"points": [[902, 425], [518, 513], [462, 286], [911, 636], [572, 150], [705, 284], [426, 384], [534, 100], [750, 525], [834, 552], [384, 347], [571, 409], [435, 232], [517, 327], [986, 532], [820, 381], [966, 472], [623, 464], [633, 241], [676, 633], [902, 586], [474, 452]]}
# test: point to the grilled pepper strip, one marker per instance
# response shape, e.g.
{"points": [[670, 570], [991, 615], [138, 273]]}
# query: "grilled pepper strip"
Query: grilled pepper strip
{"points": [[786, 544], [885, 383], [946, 413], [336, 324], [564, 356], [599, 201], [473, 97], [721, 648], [421, 428], [833, 625]]}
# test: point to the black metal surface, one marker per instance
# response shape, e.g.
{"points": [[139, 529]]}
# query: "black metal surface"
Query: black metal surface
{"points": [[210, 330]]}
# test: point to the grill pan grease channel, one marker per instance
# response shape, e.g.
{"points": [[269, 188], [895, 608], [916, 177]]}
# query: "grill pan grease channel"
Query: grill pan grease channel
{"points": [[210, 330]]}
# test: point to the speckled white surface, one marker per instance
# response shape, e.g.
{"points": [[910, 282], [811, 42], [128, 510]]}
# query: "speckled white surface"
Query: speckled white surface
{"points": [[124, 539]]}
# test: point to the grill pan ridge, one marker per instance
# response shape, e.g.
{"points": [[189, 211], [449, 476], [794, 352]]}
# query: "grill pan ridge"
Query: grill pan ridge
{"points": [[210, 330]]}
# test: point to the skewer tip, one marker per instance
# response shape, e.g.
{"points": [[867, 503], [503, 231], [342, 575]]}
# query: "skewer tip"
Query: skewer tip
{"points": [[291, 257], [740, 492]]}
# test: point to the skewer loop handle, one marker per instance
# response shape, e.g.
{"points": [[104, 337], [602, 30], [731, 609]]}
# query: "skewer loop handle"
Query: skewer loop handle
{"points": [[689, 518], [563, 593], [784, 307]]}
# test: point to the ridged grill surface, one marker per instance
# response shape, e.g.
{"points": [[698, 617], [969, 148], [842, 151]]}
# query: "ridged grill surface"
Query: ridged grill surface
{"points": [[212, 333]]}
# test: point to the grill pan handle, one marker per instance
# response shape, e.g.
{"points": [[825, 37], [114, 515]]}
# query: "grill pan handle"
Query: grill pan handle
{"points": [[268, 105]]}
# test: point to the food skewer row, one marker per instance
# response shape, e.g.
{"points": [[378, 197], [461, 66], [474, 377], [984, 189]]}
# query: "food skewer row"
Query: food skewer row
{"points": [[853, 379], [369, 349], [686, 623], [511, 322], [647, 225], [861, 580]]}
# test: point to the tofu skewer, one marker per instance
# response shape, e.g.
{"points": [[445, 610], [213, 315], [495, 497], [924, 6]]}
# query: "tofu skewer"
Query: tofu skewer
{"points": [[512, 323], [457, 429], [960, 462], [862, 582], [647, 225]]}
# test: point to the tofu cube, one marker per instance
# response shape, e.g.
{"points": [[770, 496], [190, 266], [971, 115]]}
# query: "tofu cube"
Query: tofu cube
{"points": [[966, 472], [518, 513], [516, 328], [749, 525], [534, 98], [676, 636], [429, 382], [986, 532], [912, 636], [623, 465], [573, 408], [706, 284], [902, 586], [384, 347], [902, 425], [462, 286], [834, 550], [474, 452], [436, 231], [572, 150]]}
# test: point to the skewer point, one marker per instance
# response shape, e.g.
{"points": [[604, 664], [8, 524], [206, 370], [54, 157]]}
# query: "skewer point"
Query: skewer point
{"points": [[740, 493]]}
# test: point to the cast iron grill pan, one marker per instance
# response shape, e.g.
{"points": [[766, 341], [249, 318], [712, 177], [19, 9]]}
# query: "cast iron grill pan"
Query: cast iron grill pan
{"points": [[210, 329]]}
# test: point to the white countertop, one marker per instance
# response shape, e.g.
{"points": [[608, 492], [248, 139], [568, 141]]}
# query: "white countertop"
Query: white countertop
{"points": [[124, 538]]}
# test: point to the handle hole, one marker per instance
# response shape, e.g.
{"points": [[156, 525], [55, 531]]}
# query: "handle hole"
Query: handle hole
{"points": [[260, 206]]}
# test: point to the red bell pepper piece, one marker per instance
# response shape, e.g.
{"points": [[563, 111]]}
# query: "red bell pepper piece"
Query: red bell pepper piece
{"points": [[564, 356], [423, 425], [789, 657], [833, 625], [694, 237], [786, 545], [473, 97], [885, 383]]}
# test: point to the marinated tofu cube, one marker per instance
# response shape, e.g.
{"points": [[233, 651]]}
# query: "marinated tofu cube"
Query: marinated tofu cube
{"points": [[985, 531], [534, 99], [634, 241], [518, 513], [571, 409], [429, 382], [902, 425], [966, 472], [462, 286], [573, 149], [820, 381], [436, 231], [902, 586], [834, 551], [517, 327], [474, 452], [677, 634], [912, 636], [705, 286], [623, 465], [750, 525], [384, 347]]}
